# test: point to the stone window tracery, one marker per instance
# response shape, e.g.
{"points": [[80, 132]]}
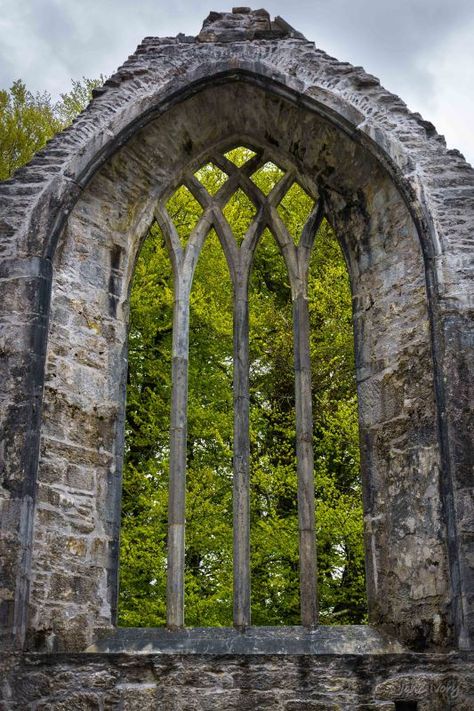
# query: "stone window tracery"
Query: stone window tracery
{"points": [[247, 179]]}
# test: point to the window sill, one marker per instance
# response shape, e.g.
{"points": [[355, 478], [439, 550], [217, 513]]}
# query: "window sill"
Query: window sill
{"points": [[324, 639]]}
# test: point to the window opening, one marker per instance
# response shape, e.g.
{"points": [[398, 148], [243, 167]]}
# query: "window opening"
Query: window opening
{"points": [[211, 177], [240, 155], [208, 541], [266, 177], [274, 511], [142, 594], [339, 515], [239, 213], [185, 212], [295, 209], [229, 208]]}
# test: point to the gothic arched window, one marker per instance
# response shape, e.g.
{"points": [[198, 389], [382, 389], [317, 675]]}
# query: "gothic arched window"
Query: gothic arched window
{"points": [[240, 196]]}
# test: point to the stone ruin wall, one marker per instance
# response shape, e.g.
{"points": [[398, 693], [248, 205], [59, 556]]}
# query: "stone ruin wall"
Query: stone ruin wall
{"points": [[403, 207]]}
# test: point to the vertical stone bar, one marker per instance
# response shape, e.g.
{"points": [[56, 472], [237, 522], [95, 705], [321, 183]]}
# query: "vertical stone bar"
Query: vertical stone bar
{"points": [[25, 283], [241, 489], [304, 453], [177, 477]]}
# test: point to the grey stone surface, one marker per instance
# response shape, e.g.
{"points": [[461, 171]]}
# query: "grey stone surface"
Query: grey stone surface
{"points": [[181, 682], [85, 364], [71, 223], [323, 640], [245, 24]]}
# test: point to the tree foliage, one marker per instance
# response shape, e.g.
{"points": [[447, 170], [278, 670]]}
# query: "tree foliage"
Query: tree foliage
{"points": [[274, 524], [28, 121], [76, 99]]}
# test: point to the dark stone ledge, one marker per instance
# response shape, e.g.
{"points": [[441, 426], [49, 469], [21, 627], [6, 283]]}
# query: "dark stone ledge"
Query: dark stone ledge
{"points": [[338, 640]]}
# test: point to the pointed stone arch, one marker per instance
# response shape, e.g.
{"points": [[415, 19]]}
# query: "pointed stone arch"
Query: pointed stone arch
{"points": [[72, 220]]}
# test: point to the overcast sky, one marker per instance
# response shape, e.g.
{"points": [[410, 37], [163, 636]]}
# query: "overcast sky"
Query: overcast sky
{"points": [[422, 50]]}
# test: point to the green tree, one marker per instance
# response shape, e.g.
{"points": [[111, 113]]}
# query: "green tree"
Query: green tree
{"points": [[76, 99], [28, 121], [274, 526]]}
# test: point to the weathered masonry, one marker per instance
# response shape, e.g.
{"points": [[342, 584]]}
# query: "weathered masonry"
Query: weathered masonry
{"points": [[71, 225]]}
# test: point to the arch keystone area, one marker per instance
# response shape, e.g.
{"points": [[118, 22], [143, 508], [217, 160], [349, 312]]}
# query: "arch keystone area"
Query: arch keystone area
{"points": [[71, 225]]}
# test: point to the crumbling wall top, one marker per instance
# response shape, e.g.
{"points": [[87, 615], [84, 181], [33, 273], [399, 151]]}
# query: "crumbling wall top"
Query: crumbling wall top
{"points": [[245, 24]]}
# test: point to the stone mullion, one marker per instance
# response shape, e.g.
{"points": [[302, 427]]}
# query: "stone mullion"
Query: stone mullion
{"points": [[178, 429], [253, 234], [242, 577], [240, 261], [308, 235], [240, 177], [305, 461], [287, 247], [241, 459], [297, 261], [178, 443], [251, 190], [184, 264], [197, 190], [226, 191], [171, 236], [311, 227], [239, 267], [254, 163]]}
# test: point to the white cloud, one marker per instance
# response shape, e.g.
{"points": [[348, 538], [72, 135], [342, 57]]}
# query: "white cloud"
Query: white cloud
{"points": [[452, 102], [420, 49]]}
